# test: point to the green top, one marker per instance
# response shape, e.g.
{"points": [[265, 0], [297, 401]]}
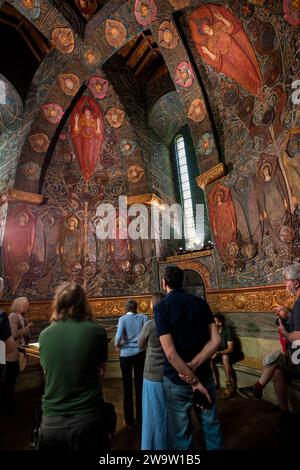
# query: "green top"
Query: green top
{"points": [[226, 335], [70, 352]]}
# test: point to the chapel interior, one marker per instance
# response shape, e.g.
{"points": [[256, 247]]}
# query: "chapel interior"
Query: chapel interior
{"points": [[104, 100]]}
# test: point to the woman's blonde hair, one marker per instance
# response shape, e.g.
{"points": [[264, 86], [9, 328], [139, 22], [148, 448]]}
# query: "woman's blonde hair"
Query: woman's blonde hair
{"points": [[70, 302], [18, 305]]}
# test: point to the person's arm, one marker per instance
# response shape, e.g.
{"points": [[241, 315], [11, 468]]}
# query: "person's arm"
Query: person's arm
{"points": [[294, 336], [209, 349], [103, 354], [119, 334], [210, 54], [228, 350], [181, 367], [10, 345], [290, 337], [18, 333], [228, 25], [144, 335]]}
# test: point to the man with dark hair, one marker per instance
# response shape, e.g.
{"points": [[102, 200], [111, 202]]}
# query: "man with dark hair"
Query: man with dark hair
{"points": [[225, 353], [189, 338], [132, 357]]}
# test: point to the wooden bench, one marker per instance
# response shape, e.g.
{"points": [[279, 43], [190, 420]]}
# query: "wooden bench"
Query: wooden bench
{"points": [[249, 370]]}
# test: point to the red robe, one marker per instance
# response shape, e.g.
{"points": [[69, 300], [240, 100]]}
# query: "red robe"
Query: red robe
{"points": [[87, 138], [235, 56]]}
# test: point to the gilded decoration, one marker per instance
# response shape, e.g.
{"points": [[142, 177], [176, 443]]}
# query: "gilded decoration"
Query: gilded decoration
{"points": [[147, 199], [22, 196], [253, 299], [106, 307], [198, 267], [197, 254], [211, 175]]}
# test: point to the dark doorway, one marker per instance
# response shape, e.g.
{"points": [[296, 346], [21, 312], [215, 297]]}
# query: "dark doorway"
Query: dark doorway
{"points": [[193, 283]]}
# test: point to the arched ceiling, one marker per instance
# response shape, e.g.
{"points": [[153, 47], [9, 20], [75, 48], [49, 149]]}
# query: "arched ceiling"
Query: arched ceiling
{"points": [[26, 48], [116, 24]]}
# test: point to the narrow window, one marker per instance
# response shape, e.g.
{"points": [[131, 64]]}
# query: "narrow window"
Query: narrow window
{"points": [[2, 92], [185, 193]]}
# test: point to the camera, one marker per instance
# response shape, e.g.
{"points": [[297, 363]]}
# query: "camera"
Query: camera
{"points": [[284, 321], [200, 400]]}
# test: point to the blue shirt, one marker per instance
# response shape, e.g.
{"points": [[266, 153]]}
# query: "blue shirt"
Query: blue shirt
{"points": [[187, 318], [129, 328]]}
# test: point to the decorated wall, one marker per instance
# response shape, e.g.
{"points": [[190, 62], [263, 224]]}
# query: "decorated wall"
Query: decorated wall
{"points": [[89, 132], [247, 54]]}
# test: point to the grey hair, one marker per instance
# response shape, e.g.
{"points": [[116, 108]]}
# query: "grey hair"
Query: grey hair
{"points": [[18, 304], [292, 272]]}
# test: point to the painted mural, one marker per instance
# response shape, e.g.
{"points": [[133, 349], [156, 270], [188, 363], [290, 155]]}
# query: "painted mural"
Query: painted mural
{"points": [[222, 43], [89, 145], [247, 60]]}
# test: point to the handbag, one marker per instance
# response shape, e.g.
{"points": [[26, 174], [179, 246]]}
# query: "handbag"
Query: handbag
{"points": [[110, 418]]}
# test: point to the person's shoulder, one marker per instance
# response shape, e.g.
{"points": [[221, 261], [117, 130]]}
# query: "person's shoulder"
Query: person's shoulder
{"points": [[195, 298], [46, 330], [13, 317], [95, 325]]}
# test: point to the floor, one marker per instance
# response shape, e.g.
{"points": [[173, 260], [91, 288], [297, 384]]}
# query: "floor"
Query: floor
{"points": [[246, 424]]}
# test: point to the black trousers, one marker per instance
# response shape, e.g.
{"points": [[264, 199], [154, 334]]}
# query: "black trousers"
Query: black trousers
{"points": [[128, 364], [8, 386], [75, 432]]}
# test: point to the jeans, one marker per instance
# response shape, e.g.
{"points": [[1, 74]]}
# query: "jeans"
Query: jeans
{"points": [[73, 432], [179, 402]]}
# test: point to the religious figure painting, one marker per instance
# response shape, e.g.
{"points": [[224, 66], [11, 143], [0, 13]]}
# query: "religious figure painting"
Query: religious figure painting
{"points": [[31, 8], [63, 39], [53, 112], [145, 11], [184, 75], [39, 142], [167, 35], [291, 10], [19, 237], [222, 219], [69, 83], [87, 132], [115, 117], [223, 44], [272, 197], [115, 32], [98, 86], [197, 110], [71, 245]]}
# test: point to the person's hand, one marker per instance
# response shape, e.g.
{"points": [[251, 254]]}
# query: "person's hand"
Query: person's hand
{"points": [[117, 349], [198, 386], [187, 378], [204, 49], [282, 328], [214, 356], [218, 15]]}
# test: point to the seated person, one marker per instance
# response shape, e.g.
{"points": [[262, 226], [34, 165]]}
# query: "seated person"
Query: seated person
{"points": [[270, 362], [227, 353]]}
